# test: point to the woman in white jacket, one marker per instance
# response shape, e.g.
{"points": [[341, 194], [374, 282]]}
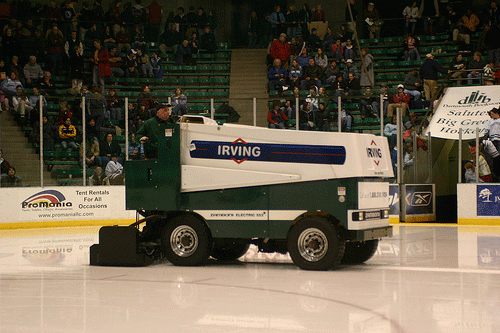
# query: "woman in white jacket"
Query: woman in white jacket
{"points": [[411, 13]]}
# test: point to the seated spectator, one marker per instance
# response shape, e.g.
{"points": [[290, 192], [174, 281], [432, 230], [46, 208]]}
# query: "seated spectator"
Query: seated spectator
{"points": [[329, 39], [91, 130], [488, 73], [141, 115], [48, 133], [144, 64], [323, 96], [476, 65], [98, 178], [156, 65], [400, 100], [306, 118], [349, 51], [146, 98], [470, 22], [345, 121], [4, 165], [170, 40], [92, 157], [64, 112], [33, 73], [339, 86], [108, 148], [208, 42], [97, 106], [114, 106], [386, 98], [413, 84], [21, 103], [303, 58], [276, 117], [470, 173], [114, 171], [344, 33], [458, 68], [131, 65], [296, 48], [108, 38], [67, 134], [369, 104], [332, 72], [94, 34], [314, 42], [417, 122], [11, 180], [123, 40], [277, 76], [47, 86], [483, 169], [312, 76], [391, 132], [350, 68], [411, 49], [280, 49], [323, 117], [353, 86], [115, 62], [295, 74], [179, 103], [321, 59], [313, 98], [184, 55], [140, 40], [135, 149], [193, 43], [461, 33], [10, 84], [338, 50]]}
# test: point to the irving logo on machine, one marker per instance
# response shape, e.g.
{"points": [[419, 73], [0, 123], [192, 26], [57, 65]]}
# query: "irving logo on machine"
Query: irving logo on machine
{"points": [[375, 153], [240, 151], [46, 199]]}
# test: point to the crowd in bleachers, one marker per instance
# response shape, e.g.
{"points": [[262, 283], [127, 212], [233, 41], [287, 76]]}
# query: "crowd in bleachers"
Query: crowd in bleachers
{"points": [[53, 50]]}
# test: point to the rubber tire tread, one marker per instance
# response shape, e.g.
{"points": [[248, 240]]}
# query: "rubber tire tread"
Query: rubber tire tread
{"points": [[336, 244], [359, 252], [201, 254]]}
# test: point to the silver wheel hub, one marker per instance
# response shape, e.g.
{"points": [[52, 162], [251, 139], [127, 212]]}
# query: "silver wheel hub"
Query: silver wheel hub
{"points": [[184, 241], [312, 244]]}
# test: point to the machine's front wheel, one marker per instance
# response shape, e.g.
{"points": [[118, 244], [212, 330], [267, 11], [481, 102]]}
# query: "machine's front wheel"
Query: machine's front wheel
{"points": [[186, 241], [315, 244], [359, 252]]}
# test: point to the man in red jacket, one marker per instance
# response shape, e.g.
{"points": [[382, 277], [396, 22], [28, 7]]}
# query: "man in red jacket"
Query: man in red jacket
{"points": [[102, 67], [400, 100], [280, 49]]}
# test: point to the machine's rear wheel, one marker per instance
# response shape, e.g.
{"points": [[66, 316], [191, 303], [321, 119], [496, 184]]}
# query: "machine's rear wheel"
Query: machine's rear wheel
{"points": [[185, 241], [229, 249], [359, 252], [315, 244]]}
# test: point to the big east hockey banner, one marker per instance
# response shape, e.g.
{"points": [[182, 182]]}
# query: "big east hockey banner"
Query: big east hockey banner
{"points": [[466, 108]]}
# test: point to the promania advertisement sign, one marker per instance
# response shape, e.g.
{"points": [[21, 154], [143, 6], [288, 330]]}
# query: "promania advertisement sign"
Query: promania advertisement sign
{"points": [[466, 108], [75, 205]]}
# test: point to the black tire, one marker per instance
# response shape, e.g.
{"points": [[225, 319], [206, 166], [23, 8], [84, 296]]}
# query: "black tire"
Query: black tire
{"points": [[229, 249], [314, 243], [359, 252], [185, 241]]}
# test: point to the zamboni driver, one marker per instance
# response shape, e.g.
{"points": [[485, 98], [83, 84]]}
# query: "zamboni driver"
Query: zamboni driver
{"points": [[151, 130]]}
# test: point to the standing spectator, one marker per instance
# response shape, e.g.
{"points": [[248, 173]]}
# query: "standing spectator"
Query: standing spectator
{"points": [[67, 134], [305, 15], [69, 46], [429, 73], [277, 20], [372, 21], [312, 76], [11, 180], [291, 18], [76, 65], [154, 20], [411, 14], [123, 39], [207, 41], [280, 49], [476, 65], [413, 84], [180, 20], [91, 35], [179, 103], [492, 43], [367, 75], [114, 16], [86, 16], [102, 68], [170, 40], [492, 130], [55, 41], [212, 21], [202, 21], [253, 28], [276, 117], [69, 18], [277, 76], [458, 69], [400, 100], [351, 21], [318, 15], [193, 43]]}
